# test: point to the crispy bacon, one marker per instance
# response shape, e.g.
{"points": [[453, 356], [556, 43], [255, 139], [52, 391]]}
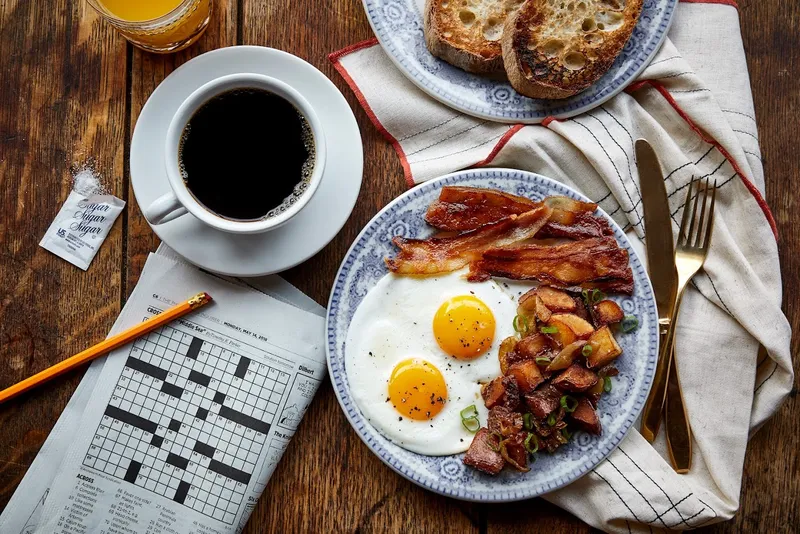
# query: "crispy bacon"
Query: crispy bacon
{"points": [[466, 208], [591, 263], [583, 225], [444, 254]]}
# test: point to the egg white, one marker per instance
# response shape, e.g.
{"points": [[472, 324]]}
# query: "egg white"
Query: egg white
{"points": [[393, 323]]}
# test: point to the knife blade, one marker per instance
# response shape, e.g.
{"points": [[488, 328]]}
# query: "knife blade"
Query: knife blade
{"points": [[663, 274]]}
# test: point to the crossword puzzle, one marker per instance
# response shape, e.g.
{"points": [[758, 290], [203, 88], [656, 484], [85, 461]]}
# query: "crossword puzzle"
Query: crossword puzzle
{"points": [[188, 420]]}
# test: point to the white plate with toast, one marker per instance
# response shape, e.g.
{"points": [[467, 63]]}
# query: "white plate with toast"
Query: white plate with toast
{"points": [[399, 26]]}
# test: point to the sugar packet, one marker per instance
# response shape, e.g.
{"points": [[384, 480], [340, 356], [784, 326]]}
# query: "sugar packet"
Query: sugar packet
{"points": [[81, 227]]}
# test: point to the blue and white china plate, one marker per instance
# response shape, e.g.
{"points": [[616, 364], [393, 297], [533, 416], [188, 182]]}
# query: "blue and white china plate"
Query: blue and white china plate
{"points": [[364, 266], [398, 26]]}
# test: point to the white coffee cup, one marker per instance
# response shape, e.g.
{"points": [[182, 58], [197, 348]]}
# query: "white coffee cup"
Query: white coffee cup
{"points": [[180, 201]]}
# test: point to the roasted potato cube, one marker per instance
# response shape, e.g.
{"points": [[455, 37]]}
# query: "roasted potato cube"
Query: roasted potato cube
{"points": [[607, 312], [585, 416], [604, 348], [504, 421], [575, 378], [580, 327], [544, 401], [567, 355], [563, 335], [555, 300], [506, 353], [531, 346], [502, 391], [481, 456], [527, 375]]}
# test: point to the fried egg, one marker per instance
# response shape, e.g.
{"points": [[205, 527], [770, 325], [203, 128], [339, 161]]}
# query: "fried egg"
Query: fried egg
{"points": [[417, 351]]}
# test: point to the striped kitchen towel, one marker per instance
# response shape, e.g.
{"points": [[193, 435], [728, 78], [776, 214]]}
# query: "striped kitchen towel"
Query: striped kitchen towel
{"points": [[693, 103]]}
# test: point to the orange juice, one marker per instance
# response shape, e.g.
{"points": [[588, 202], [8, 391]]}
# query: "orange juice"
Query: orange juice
{"points": [[140, 10], [157, 25]]}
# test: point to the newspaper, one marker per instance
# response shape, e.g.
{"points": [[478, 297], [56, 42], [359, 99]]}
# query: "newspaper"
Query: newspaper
{"points": [[180, 431]]}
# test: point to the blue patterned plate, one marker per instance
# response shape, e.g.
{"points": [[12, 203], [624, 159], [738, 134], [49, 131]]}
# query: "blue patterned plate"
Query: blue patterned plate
{"points": [[398, 26], [363, 267]]}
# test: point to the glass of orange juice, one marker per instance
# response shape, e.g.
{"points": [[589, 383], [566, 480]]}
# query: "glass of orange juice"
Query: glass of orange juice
{"points": [[157, 25]]}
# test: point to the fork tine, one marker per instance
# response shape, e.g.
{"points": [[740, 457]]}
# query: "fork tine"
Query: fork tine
{"points": [[685, 219], [710, 225], [700, 233], [690, 231]]}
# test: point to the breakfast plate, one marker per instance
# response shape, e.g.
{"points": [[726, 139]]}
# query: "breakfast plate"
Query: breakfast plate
{"points": [[363, 267], [399, 28], [307, 232]]}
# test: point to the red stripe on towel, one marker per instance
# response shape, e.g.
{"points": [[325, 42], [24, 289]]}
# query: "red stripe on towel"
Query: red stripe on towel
{"points": [[710, 140], [500, 144], [723, 2], [334, 58]]}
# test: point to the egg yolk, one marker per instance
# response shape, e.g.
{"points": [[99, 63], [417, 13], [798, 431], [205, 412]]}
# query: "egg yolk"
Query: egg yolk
{"points": [[417, 389], [464, 327]]}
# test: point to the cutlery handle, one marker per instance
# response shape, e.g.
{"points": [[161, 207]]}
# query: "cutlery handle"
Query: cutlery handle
{"points": [[676, 423], [654, 407]]}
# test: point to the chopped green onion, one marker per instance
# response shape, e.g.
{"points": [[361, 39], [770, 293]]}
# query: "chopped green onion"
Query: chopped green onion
{"points": [[520, 324], [607, 384], [527, 443], [585, 294], [629, 323], [469, 412], [569, 403], [548, 329], [551, 420], [597, 296], [492, 445], [471, 424], [469, 418], [527, 424], [586, 350], [542, 361], [566, 433]]}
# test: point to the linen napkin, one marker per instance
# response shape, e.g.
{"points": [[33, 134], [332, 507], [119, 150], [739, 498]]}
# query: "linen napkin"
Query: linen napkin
{"points": [[693, 103]]}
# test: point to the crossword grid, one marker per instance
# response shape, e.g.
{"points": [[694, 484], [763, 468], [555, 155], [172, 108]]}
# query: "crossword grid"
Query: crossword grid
{"points": [[188, 420]]}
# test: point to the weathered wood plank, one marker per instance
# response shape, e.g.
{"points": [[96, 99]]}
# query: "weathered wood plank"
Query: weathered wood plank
{"points": [[62, 102]]}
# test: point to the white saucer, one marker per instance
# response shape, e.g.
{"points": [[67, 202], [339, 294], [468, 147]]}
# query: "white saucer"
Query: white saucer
{"points": [[306, 233]]}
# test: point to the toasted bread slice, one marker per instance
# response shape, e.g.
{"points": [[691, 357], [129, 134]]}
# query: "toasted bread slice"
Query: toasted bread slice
{"points": [[466, 33], [557, 48]]}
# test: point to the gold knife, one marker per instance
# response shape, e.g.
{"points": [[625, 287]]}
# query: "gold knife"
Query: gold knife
{"points": [[663, 275]]}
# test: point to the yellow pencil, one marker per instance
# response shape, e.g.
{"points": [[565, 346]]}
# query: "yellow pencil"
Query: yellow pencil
{"points": [[107, 345]]}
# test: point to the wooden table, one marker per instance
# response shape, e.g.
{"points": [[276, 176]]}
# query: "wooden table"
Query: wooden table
{"points": [[71, 90]]}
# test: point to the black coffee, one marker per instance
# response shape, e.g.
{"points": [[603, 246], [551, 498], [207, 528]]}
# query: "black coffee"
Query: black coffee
{"points": [[247, 154]]}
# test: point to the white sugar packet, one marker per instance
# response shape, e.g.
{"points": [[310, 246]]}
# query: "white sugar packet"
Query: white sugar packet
{"points": [[81, 227]]}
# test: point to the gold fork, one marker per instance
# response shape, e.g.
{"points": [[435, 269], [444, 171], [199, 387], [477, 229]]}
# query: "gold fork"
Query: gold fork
{"points": [[693, 241]]}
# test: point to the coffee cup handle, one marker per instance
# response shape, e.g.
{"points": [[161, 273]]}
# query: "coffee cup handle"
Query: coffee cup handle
{"points": [[164, 209]]}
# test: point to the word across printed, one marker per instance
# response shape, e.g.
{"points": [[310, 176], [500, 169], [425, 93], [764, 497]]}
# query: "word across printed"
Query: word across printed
{"points": [[188, 420]]}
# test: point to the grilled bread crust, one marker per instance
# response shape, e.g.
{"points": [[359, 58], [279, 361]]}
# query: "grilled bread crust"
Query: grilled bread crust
{"points": [[466, 33], [557, 48]]}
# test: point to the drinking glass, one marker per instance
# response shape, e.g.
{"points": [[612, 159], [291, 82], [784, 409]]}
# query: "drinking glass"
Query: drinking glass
{"points": [[170, 32]]}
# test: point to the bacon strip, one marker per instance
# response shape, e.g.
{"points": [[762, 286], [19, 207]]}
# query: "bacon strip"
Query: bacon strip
{"points": [[592, 263], [583, 225], [444, 254], [467, 208]]}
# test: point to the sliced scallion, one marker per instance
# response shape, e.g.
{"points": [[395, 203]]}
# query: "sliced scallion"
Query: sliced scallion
{"points": [[629, 323], [566, 433], [548, 329], [607, 384], [551, 420], [597, 296], [527, 424], [542, 361], [569, 403], [494, 445], [586, 350], [531, 448], [469, 412], [469, 418]]}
